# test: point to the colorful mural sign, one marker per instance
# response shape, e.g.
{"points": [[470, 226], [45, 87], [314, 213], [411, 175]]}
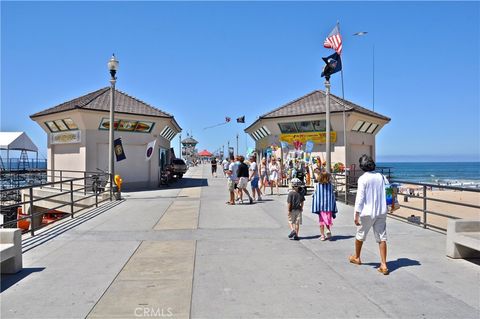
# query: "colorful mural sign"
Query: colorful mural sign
{"points": [[315, 137], [65, 137]]}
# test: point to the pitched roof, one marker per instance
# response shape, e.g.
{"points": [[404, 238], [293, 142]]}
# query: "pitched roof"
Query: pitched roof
{"points": [[189, 140], [100, 101], [16, 141], [314, 103]]}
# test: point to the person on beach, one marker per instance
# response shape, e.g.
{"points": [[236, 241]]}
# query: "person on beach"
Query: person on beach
{"points": [[274, 169], [243, 177], [253, 178], [214, 166], [263, 175], [295, 202], [324, 205], [232, 180], [371, 211]]}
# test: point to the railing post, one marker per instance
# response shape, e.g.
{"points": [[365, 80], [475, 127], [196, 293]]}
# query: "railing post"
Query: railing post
{"points": [[30, 193], [96, 199], [71, 198], [424, 206], [84, 183], [61, 181], [110, 178]]}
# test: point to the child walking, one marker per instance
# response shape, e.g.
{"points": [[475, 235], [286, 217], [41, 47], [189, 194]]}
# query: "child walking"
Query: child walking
{"points": [[295, 207], [324, 205]]}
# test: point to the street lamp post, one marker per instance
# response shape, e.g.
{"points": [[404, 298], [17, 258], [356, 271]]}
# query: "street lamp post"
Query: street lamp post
{"points": [[112, 66], [361, 34]]}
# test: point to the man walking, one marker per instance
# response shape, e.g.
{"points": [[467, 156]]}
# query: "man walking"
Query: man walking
{"points": [[254, 177], [371, 211]]}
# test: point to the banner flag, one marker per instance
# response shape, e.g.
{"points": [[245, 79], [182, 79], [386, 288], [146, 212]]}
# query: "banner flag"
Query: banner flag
{"points": [[334, 40], [333, 64], [118, 147], [149, 151], [241, 119], [309, 147]]}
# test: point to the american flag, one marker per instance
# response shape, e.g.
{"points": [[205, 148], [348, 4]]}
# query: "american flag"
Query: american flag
{"points": [[227, 119], [334, 40]]}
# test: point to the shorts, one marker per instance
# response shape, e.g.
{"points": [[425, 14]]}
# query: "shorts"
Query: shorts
{"points": [[214, 169], [325, 218], [379, 225], [243, 182], [254, 182], [295, 217], [231, 185]]}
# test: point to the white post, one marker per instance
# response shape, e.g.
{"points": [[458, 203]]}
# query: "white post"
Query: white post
{"points": [[327, 107]]}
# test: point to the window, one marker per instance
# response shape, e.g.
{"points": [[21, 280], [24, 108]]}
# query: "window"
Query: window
{"points": [[70, 124], [372, 128], [127, 125], [320, 126], [357, 125], [304, 126], [287, 127], [364, 127], [61, 125]]}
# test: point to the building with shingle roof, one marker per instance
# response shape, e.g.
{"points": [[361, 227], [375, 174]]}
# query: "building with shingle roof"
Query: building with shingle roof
{"points": [[78, 138], [304, 119]]}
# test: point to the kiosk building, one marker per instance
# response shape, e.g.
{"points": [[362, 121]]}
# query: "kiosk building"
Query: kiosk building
{"points": [[78, 138], [304, 119]]}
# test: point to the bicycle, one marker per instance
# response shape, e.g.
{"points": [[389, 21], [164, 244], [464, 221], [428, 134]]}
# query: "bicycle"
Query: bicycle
{"points": [[98, 184]]}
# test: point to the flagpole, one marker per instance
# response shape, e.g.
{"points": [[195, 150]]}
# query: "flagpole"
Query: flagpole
{"points": [[344, 127]]}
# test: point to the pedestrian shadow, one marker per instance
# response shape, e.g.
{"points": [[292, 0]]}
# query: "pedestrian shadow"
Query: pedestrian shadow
{"points": [[340, 237], [8, 280], [396, 264], [309, 237]]}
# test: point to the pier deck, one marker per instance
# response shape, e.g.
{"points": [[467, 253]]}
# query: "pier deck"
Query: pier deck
{"points": [[180, 252]]}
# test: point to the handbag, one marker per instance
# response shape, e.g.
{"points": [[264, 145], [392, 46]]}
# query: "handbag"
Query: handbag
{"points": [[391, 196]]}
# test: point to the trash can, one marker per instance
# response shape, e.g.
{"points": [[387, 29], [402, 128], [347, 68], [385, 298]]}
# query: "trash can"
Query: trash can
{"points": [[405, 198]]}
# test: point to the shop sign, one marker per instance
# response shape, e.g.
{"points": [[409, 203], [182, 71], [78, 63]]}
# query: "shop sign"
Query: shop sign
{"points": [[65, 137], [315, 137]]}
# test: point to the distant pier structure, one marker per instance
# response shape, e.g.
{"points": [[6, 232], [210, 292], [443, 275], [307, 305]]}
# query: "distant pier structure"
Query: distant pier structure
{"points": [[17, 142]]}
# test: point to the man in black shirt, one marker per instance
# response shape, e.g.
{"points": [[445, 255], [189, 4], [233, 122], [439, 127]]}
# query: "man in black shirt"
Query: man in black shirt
{"points": [[214, 166], [243, 175]]}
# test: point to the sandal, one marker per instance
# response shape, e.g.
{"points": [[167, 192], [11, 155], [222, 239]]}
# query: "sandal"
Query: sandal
{"points": [[383, 270], [354, 260], [322, 238]]}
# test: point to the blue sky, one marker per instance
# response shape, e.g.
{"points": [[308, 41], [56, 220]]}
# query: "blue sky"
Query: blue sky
{"points": [[202, 61]]}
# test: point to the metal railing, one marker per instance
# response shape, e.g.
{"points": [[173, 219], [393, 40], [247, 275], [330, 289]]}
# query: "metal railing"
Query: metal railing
{"points": [[85, 187], [346, 186], [426, 199]]}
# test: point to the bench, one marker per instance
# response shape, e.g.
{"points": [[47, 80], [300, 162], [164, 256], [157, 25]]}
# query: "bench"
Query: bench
{"points": [[463, 238], [10, 250]]}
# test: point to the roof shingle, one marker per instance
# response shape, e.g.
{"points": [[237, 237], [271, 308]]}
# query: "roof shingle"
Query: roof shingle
{"points": [[100, 101], [314, 103]]}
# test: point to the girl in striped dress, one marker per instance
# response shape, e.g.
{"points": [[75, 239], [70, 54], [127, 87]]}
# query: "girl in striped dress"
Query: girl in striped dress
{"points": [[323, 204]]}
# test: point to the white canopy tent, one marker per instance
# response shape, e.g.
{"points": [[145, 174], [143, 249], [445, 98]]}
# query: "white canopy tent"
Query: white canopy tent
{"points": [[16, 141]]}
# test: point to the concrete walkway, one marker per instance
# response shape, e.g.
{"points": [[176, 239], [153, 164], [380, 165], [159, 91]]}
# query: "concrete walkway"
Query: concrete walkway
{"points": [[180, 252]]}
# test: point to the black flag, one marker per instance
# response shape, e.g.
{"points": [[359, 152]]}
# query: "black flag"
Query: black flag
{"points": [[333, 65], [241, 119], [119, 153]]}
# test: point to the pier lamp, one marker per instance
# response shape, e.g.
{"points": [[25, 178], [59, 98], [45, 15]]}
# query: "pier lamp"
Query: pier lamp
{"points": [[112, 66]]}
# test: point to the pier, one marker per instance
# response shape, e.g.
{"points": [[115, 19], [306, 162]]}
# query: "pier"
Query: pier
{"points": [[180, 252]]}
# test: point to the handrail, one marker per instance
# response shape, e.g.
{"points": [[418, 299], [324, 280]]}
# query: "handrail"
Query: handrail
{"points": [[93, 178], [347, 187]]}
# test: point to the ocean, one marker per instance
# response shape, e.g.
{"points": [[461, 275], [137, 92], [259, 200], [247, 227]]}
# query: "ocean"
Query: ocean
{"points": [[466, 174]]}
